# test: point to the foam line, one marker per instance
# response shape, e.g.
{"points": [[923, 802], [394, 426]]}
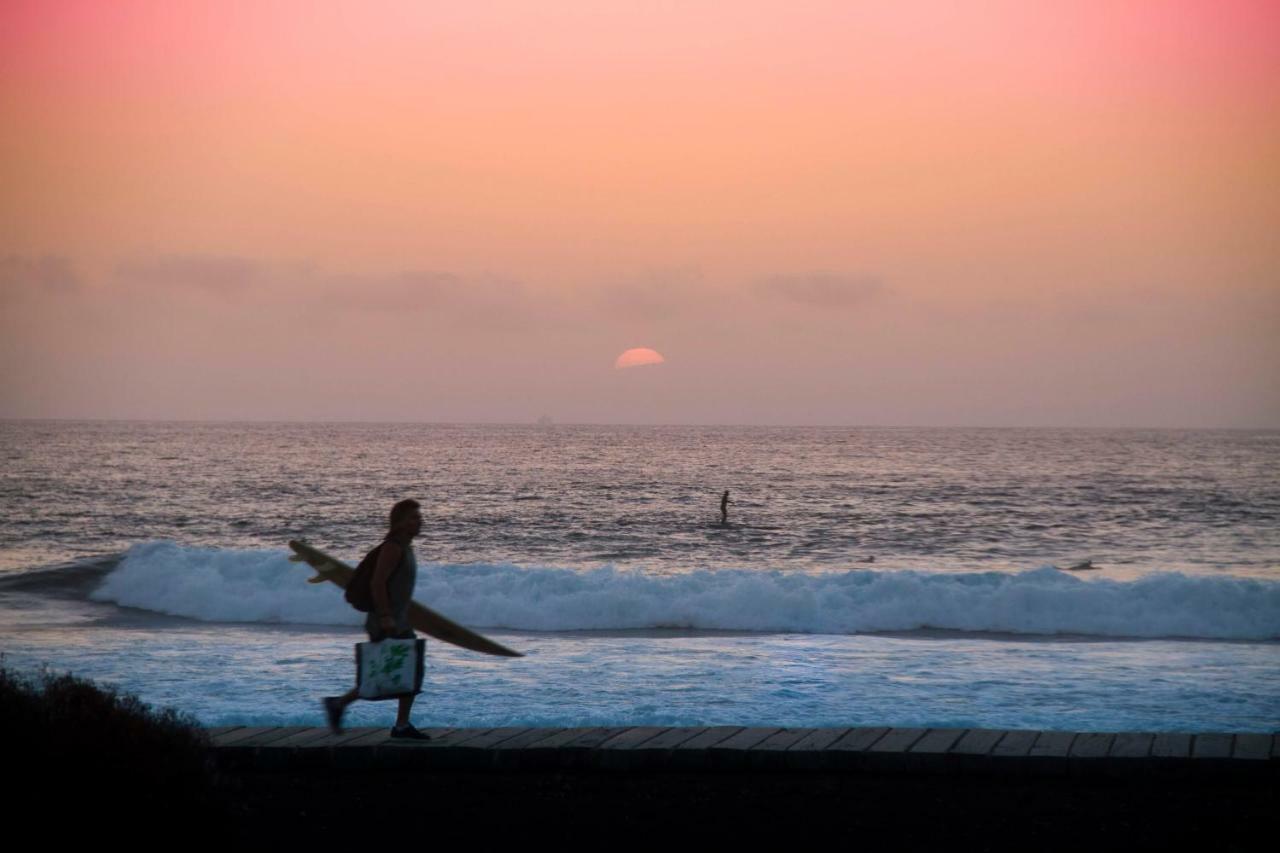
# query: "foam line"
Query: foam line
{"points": [[263, 586]]}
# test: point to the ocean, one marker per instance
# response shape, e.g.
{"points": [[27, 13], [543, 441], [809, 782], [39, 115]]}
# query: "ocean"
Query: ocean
{"points": [[1009, 578]]}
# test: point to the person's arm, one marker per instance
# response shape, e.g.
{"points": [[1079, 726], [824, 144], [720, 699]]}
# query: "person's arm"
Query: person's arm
{"points": [[388, 559]]}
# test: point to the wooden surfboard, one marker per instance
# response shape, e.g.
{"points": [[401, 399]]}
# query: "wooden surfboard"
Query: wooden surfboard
{"points": [[422, 618]]}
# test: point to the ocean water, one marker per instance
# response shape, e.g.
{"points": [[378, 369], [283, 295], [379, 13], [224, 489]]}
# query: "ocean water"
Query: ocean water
{"points": [[866, 577]]}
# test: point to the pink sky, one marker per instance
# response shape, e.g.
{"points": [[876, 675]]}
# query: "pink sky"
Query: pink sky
{"points": [[911, 213]]}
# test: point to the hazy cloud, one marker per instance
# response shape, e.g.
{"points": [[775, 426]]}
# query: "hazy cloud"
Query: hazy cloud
{"points": [[406, 291], [654, 295], [308, 340], [821, 290], [216, 273], [47, 273], [482, 301], [478, 301]]}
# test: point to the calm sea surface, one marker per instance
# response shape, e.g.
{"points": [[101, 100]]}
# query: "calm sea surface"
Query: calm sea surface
{"points": [[648, 497]]}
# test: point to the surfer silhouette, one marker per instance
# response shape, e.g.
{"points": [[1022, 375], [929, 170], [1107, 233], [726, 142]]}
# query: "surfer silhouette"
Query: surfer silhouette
{"points": [[724, 507], [392, 587]]}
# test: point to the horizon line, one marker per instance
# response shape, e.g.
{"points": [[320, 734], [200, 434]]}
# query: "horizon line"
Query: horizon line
{"points": [[705, 425]]}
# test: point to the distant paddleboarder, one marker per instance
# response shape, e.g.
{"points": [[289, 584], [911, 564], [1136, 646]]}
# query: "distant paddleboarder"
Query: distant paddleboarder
{"points": [[724, 507]]}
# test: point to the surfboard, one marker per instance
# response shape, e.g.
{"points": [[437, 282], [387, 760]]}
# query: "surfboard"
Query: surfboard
{"points": [[422, 618]]}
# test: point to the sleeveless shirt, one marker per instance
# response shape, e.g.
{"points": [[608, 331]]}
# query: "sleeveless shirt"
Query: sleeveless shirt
{"points": [[399, 594]]}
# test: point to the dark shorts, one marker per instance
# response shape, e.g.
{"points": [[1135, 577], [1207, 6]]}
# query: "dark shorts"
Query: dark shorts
{"points": [[376, 634]]}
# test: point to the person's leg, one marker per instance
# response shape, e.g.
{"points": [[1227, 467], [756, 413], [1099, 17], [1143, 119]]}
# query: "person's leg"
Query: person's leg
{"points": [[403, 728], [336, 706], [402, 715]]}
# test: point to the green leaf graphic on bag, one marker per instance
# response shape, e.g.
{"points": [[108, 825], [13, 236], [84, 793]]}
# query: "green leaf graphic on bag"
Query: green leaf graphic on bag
{"points": [[389, 668], [393, 660]]}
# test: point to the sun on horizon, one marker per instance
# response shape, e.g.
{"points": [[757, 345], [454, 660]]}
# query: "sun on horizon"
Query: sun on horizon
{"points": [[638, 357]]}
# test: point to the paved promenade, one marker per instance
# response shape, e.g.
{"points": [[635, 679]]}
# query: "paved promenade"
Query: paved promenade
{"points": [[726, 748]]}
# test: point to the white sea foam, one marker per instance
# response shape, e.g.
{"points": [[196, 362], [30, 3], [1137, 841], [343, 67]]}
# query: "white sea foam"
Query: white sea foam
{"points": [[262, 586]]}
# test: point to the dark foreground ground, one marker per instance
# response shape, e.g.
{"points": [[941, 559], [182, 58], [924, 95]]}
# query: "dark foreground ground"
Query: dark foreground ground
{"points": [[599, 808], [596, 809], [84, 766]]}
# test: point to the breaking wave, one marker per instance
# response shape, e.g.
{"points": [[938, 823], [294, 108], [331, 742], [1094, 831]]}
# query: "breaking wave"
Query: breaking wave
{"points": [[217, 585]]}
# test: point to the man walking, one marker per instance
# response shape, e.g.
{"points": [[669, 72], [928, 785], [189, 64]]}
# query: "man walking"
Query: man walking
{"points": [[392, 588]]}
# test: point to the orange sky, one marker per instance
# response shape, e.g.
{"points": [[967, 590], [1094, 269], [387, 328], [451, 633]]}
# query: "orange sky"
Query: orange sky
{"points": [[910, 213]]}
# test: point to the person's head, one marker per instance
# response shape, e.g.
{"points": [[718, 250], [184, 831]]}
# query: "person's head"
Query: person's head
{"points": [[406, 518]]}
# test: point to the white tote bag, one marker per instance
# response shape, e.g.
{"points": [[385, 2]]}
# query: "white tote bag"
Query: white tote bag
{"points": [[389, 669]]}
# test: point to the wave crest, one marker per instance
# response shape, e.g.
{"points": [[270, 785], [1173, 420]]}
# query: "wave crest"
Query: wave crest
{"points": [[262, 586]]}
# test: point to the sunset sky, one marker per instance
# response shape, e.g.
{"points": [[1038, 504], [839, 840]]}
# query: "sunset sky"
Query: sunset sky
{"points": [[934, 213]]}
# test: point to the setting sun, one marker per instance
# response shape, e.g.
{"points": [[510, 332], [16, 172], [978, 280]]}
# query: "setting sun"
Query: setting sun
{"points": [[638, 357]]}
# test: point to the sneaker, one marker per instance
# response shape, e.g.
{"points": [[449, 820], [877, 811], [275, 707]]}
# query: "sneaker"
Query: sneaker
{"points": [[333, 709], [408, 732]]}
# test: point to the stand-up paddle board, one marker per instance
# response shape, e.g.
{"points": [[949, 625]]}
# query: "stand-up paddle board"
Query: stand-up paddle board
{"points": [[422, 619]]}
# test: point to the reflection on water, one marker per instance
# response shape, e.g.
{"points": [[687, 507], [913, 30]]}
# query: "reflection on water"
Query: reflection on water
{"points": [[933, 499]]}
